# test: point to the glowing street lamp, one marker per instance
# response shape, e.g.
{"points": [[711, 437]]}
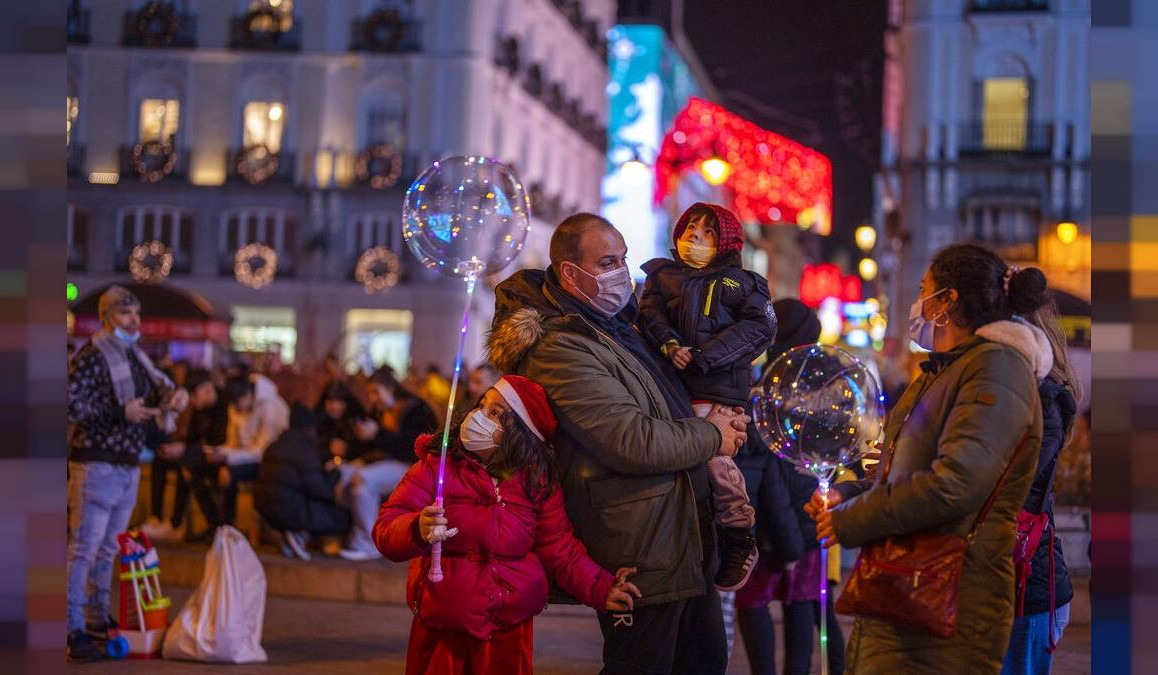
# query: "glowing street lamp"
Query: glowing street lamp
{"points": [[634, 169], [715, 170], [868, 269], [1067, 232], [866, 237]]}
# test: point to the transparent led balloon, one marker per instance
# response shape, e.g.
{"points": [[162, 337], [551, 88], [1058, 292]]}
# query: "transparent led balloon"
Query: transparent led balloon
{"points": [[817, 406], [466, 216]]}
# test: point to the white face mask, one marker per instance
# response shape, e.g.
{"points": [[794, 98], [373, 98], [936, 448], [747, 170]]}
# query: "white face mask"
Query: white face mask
{"points": [[922, 330], [614, 290], [477, 432], [695, 255]]}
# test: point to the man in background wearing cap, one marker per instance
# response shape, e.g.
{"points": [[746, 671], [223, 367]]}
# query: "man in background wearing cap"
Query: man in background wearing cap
{"points": [[113, 391]]}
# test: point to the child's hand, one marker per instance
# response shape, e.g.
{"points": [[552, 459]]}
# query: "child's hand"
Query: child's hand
{"points": [[680, 356], [619, 598], [432, 525]]}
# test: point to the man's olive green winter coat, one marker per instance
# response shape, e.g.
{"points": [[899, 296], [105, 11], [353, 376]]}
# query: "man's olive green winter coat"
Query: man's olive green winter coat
{"points": [[622, 458], [968, 413]]}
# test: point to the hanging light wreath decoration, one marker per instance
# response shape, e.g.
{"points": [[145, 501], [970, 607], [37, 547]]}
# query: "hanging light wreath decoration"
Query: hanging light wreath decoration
{"points": [[255, 265], [153, 160], [158, 24], [150, 262], [256, 164], [378, 269], [380, 166]]}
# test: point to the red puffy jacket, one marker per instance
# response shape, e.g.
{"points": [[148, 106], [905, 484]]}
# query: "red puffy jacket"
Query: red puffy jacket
{"points": [[495, 569]]}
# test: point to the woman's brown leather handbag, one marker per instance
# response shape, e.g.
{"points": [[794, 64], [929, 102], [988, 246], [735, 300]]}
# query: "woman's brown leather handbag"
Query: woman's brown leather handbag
{"points": [[912, 580]]}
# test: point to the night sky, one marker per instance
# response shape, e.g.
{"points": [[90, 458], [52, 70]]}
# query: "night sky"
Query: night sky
{"points": [[807, 69]]}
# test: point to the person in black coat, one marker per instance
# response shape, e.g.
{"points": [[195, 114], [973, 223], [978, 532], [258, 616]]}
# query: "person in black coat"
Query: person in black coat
{"points": [[1043, 605], [785, 535], [294, 491]]}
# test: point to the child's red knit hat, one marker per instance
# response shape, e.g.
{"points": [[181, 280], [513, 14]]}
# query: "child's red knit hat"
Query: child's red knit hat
{"points": [[731, 234], [529, 401]]}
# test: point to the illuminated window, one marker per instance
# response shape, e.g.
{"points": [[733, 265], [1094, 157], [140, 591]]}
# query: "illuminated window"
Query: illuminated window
{"points": [[264, 330], [159, 118], [374, 337], [1005, 113], [72, 109], [282, 19], [264, 122]]}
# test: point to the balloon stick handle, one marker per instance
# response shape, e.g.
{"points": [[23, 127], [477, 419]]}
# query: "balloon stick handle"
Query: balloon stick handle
{"points": [[824, 591], [435, 574]]}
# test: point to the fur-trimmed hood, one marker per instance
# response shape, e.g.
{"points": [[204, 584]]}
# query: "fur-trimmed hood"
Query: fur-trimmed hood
{"points": [[1029, 340], [521, 307]]}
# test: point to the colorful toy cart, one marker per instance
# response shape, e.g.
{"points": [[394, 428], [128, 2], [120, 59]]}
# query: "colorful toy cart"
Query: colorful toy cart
{"points": [[144, 610]]}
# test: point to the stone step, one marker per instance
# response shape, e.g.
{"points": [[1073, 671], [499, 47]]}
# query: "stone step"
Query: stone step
{"points": [[323, 578]]}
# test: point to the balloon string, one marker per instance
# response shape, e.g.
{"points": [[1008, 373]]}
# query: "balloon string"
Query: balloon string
{"points": [[824, 589], [435, 569]]}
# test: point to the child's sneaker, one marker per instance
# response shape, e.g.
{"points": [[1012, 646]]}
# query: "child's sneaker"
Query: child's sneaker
{"points": [[82, 648], [737, 558]]}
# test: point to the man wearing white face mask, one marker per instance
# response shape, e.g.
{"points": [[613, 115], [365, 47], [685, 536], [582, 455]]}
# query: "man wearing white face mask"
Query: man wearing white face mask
{"points": [[114, 390], [630, 449]]}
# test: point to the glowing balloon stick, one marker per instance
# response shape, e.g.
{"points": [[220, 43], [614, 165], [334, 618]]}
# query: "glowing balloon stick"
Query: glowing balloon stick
{"points": [[473, 269]]}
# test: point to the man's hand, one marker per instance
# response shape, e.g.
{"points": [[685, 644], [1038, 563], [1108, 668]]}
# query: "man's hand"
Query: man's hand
{"points": [[136, 411], [732, 423], [176, 400], [172, 451], [680, 356], [432, 525], [619, 597], [214, 454]]}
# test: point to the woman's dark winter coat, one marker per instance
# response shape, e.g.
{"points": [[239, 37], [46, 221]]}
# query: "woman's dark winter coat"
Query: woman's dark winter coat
{"points": [[1058, 408], [293, 489]]}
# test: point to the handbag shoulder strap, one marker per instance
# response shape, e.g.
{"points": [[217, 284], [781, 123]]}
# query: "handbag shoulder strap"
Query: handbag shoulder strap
{"points": [[996, 489]]}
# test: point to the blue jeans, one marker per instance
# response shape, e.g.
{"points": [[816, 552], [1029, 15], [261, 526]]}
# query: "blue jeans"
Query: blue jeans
{"points": [[101, 497], [1028, 645]]}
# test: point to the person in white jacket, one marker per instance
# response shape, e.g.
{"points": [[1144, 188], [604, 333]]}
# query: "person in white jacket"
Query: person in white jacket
{"points": [[257, 416]]}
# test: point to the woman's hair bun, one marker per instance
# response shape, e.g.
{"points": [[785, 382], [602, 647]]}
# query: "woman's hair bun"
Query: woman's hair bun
{"points": [[1027, 290]]}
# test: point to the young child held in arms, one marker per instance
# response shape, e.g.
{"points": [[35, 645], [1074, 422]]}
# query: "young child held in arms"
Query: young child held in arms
{"points": [[508, 533], [712, 318]]}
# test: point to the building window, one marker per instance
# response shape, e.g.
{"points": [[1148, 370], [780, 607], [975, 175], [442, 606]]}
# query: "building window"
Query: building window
{"points": [[1005, 113], [370, 229], [376, 337], [386, 123], [1009, 225], [264, 332], [276, 16], [263, 125], [159, 119], [276, 228], [169, 225], [72, 111], [77, 238]]}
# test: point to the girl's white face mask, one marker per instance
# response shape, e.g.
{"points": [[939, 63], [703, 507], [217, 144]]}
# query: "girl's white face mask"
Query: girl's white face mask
{"points": [[922, 330], [477, 432]]}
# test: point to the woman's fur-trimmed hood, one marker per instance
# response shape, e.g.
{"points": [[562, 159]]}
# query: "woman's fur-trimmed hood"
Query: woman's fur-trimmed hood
{"points": [[1029, 340]]}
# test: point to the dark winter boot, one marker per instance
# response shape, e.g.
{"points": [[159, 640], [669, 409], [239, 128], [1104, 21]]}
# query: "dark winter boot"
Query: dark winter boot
{"points": [[82, 648], [737, 558]]}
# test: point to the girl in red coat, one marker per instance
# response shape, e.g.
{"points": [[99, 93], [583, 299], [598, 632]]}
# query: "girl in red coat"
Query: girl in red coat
{"points": [[504, 534]]}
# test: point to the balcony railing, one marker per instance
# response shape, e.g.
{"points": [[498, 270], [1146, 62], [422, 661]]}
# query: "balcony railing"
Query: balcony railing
{"points": [[75, 159], [77, 24], [1009, 138], [1008, 5], [159, 25], [253, 31], [385, 32], [152, 165]]}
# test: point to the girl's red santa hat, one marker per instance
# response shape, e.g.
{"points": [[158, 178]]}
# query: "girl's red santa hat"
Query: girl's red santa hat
{"points": [[529, 401]]}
